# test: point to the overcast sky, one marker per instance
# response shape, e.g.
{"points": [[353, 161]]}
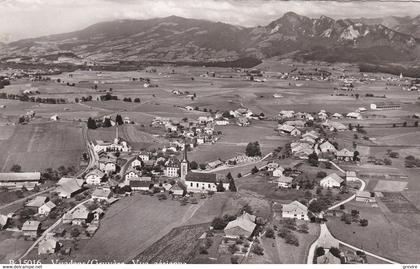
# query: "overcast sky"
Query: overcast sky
{"points": [[30, 18]]}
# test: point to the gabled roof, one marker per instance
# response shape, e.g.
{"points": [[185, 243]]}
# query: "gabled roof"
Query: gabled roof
{"points": [[31, 225], [345, 153], [139, 183], [286, 128], [294, 206], [95, 172], [246, 222], [328, 258], [46, 245], [49, 205], [37, 201], [334, 177], [3, 220], [179, 185], [205, 177], [80, 213], [105, 193], [69, 185]]}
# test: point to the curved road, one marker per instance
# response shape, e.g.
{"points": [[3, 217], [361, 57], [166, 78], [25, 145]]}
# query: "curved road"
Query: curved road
{"points": [[326, 233]]}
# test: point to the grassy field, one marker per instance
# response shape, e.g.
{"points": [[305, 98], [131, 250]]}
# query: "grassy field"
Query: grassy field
{"points": [[402, 235], [12, 246], [39, 146]]}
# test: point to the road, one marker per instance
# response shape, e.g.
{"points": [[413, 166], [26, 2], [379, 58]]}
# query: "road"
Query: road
{"points": [[52, 227], [326, 232]]}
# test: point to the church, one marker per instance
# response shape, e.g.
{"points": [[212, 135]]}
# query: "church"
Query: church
{"points": [[118, 145]]}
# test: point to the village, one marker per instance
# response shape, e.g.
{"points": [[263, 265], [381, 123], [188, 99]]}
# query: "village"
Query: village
{"points": [[305, 166]]}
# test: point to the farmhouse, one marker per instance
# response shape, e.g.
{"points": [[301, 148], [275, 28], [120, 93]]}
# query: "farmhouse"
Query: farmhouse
{"points": [[278, 172], [31, 228], [272, 166], [138, 185], [101, 194], [327, 147], [385, 106], [354, 115], [286, 114], [137, 162], [288, 129], [337, 116], [242, 226], [94, 177], [214, 164], [203, 182], [108, 164], [46, 208], [132, 174], [365, 197], [48, 246], [331, 181], [351, 176], [284, 181], [118, 145], [344, 155], [69, 186], [242, 121], [37, 202], [295, 210], [328, 258], [144, 157], [18, 180], [81, 215], [222, 122]]}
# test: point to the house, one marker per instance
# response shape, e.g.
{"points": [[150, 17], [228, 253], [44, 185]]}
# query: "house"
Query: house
{"points": [[171, 170], [46, 208], [203, 182], [81, 215], [137, 162], [138, 185], [101, 194], [312, 134], [69, 187], [295, 210], [331, 181], [144, 157], [214, 164], [132, 174], [243, 225], [272, 166], [94, 177], [31, 228], [108, 164], [354, 115], [365, 197], [278, 172], [117, 145], [18, 180], [179, 188], [242, 121], [37, 202], [337, 116], [284, 182], [48, 246], [54, 117], [286, 114], [344, 155], [328, 258], [288, 129], [189, 108], [222, 122], [4, 221], [327, 147]]}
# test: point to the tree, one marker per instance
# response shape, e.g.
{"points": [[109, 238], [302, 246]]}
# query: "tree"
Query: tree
{"points": [[292, 239], [119, 120], [387, 161], [239, 175], [220, 187], [321, 174], [253, 149], [313, 159], [303, 228], [203, 166], [364, 222], [254, 170], [137, 100], [107, 123], [269, 233], [317, 206], [218, 223], [194, 165], [232, 186], [257, 249], [356, 156], [319, 251], [75, 232], [91, 124], [16, 168], [335, 251]]}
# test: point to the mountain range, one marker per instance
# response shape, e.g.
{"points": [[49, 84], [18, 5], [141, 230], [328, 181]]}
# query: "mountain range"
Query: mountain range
{"points": [[393, 39]]}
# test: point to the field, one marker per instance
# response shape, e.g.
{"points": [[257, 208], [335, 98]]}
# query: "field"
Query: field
{"points": [[42, 145], [12, 246], [402, 234]]}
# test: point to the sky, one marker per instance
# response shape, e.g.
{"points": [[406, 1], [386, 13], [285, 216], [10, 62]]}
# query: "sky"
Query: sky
{"points": [[31, 18]]}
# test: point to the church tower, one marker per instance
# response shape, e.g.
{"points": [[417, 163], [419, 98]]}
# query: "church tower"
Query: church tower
{"points": [[116, 139], [184, 163]]}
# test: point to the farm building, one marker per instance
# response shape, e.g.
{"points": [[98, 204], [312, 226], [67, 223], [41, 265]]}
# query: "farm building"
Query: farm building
{"points": [[295, 210], [337, 116], [48, 246], [81, 215], [244, 225], [144, 157], [137, 162], [284, 181], [37, 202], [46, 208], [272, 166], [132, 174], [94, 177], [139, 185], [327, 147], [18, 180], [242, 121], [288, 129], [108, 164], [351, 176], [31, 228], [101, 194], [69, 187], [54, 117], [328, 258], [385, 106], [331, 181], [365, 197], [203, 182], [286, 114], [344, 155], [354, 115], [278, 172]]}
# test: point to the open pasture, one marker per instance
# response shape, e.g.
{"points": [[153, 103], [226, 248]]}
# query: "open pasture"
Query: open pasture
{"points": [[390, 186], [36, 147], [398, 203]]}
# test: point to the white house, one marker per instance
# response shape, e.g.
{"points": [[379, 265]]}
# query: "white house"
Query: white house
{"points": [[327, 147], [278, 172], [144, 157], [137, 162], [288, 129], [94, 177], [46, 208], [171, 171], [331, 181], [284, 182], [295, 210]]}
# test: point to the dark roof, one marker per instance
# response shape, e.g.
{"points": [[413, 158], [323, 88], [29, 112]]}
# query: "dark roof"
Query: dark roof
{"points": [[204, 177], [138, 183]]}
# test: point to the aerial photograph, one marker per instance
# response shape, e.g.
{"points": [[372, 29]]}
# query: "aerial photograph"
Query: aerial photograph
{"points": [[209, 132]]}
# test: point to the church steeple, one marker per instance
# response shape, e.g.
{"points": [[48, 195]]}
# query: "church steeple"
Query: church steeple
{"points": [[117, 139], [184, 163]]}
